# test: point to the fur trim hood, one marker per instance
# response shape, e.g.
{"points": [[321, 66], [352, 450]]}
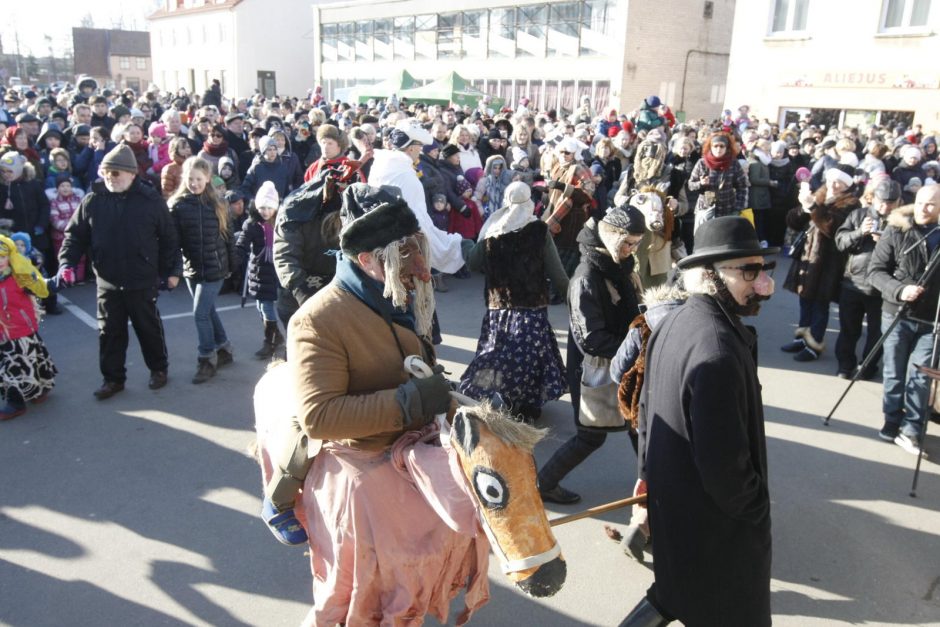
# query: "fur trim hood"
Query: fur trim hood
{"points": [[902, 218]]}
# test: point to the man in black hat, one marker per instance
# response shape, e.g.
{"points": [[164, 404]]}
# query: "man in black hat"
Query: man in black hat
{"points": [[702, 450], [235, 133], [126, 228]]}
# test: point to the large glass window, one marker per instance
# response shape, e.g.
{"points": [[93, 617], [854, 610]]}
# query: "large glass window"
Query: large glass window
{"points": [[531, 26], [597, 24], [789, 16], [363, 40], [346, 41], [448, 36], [426, 36], [502, 33], [328, 42], [382, 39], [474, 34], [403, 38], [564, 29], [905, 14]]}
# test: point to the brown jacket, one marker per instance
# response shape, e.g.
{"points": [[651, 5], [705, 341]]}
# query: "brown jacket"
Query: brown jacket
{"points": [[170, 178], [346, 369]]}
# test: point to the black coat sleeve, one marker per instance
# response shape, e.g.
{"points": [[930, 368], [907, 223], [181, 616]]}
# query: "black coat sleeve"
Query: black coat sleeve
{"points": [[171, 257], [588, 324], [883, 263]]}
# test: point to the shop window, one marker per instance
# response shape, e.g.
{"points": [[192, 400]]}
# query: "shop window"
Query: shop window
{"points": [[789, 16], [403, 38], [901, 15], [893, 119]]}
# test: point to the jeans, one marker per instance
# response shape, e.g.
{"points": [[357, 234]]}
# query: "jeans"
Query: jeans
{"points": [[814, 314], [209, 328], [267, 309], [855, 306], [905, 389]]}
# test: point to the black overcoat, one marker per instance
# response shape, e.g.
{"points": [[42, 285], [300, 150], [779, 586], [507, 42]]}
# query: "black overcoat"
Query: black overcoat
{"points": [[702, 451]]}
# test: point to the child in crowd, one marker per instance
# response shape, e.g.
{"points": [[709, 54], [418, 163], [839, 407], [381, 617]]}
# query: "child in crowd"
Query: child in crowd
{"points": [[468, 227], [133, 136], [159, 147], [228, 173], [63, 202], [171, 174], [27, 373], [60, 163], [256, 241], [440, 212]]}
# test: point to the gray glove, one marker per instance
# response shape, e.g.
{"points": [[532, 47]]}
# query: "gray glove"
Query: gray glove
{"points": [[422, 399]]}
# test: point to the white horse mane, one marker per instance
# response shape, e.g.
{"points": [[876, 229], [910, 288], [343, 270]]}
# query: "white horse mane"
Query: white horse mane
{"points": [[512, 432]]}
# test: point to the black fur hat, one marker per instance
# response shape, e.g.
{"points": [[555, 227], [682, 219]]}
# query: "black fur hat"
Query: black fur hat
{"points": [[368, 226]]}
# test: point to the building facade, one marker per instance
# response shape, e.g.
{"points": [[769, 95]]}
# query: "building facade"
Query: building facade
{"points": [[842, 62], [246, 44], [115, 58], [617, 52]]}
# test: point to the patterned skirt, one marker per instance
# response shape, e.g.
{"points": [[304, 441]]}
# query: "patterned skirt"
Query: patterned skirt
{"points": [[25, 366], [518, 357]]}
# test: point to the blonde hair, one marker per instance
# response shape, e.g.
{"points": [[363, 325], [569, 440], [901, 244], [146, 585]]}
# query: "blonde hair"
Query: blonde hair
{"points": [[208, 195]]}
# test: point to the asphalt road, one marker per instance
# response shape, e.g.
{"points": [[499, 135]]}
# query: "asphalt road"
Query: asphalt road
{"points": [[143, 509]]}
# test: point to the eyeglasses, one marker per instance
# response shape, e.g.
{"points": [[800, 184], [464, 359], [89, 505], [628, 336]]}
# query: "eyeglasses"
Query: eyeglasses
{"points": [[750, 271], [219, 135]]}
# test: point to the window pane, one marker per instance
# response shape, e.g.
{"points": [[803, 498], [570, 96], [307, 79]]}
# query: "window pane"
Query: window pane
{"points": [[382, 39], [780, 16], [403, 38], [502, 33], [563, 29], [920, 13], [426, 36], [597, 21], [895, 13], [800, 10], [448, 36], [474, 34], [531, 30]]}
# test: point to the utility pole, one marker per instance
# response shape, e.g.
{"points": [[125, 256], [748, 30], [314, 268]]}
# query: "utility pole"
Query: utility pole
{"points": [[17, 41]]}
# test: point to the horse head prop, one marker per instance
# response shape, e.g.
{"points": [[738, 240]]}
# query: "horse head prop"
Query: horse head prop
{"points": [[495, 454]]}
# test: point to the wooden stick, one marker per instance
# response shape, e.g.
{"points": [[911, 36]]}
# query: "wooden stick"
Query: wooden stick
{"points": [[600, 509]]}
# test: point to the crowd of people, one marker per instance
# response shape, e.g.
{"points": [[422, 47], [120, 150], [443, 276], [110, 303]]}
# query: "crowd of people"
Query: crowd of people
{"points": [[623, 215]]}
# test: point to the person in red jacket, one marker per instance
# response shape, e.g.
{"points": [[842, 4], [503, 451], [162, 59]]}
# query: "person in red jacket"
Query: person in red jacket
{"points": [[26, 370]]}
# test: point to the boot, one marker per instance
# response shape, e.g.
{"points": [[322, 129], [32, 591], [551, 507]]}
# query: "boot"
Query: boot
{"points": [[15, 406], [205, 370], [644, 615], [267, 348], [277, 340]]}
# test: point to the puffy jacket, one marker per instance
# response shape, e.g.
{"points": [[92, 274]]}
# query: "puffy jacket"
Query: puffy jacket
{"points": [[601, 297], [858, 246], [431, 179], [262, 278], [208, 253], [17, 311], [30, 209], [131, 237], [277, 171], [900, 259]]}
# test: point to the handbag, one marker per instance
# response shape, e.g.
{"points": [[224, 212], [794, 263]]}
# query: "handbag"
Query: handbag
{"points": [[598, 407]]}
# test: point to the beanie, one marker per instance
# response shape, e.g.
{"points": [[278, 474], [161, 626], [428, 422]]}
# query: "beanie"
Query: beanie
{"points": [[120, 158], [429, 148], [329, 131], [267, 196], [14, 162], [841, 172], [626, 218], [462, 185], [266, 142]]}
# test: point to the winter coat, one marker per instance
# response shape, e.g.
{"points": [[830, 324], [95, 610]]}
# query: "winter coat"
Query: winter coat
{"points": [[702, 452], [130, 235], [601, 299], [277, 171], [171, 177], [470, 158], [346, 369], [817, 273], [900, 259], [570, 207], [207, 252], [450, 173], [783, 194], [758, 176], [431, 179], [29, 209], [729, 187], [858, 246], [262, 277], [903, 175], [61, 209], [516, 265], [17, 311]]}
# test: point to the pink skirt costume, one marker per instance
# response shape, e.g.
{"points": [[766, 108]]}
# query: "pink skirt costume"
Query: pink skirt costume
{"points": [[380, 555]]}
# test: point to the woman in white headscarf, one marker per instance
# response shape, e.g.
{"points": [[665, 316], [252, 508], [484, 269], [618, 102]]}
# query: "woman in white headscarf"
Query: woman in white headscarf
{"points": [[517, 356]]}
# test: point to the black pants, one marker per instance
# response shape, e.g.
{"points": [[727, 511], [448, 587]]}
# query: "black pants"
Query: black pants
{"points": [[853, 307], [115, 308]]}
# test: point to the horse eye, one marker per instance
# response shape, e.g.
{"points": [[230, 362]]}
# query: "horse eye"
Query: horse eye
{"points": [[490, 488]]}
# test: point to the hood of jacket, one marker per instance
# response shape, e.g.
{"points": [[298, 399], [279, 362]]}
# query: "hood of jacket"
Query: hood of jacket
{"points": [[659, 301], [902, 218], [593, 249]]}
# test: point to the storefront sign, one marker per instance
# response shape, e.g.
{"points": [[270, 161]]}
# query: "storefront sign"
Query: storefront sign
{"points": [[863, 80]]}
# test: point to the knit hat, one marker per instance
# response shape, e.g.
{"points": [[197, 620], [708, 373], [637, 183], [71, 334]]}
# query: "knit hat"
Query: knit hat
{"points": [[653, 102], [494, 134], [910, 150], [156, 129], [597, 169], [119, 111], [849, 158], [266, 142], [569, 144], [329, 131], [841, 172], [436, 198], [408, 132], [267, 196], [449, 150], [887, 190], [462, 185], [626, 218], [429, 148], [14, 162], [120, 158], [802, 175], [21, 236], [62, 177], [518, 154], [377, 227], [727, 237]]}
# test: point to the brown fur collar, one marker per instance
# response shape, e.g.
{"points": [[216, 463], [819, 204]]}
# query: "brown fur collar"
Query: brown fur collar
{"points": [[846, 200], [902, 218]]}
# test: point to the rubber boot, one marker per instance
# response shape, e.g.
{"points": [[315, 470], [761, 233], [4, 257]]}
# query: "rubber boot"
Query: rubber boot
{"points": [[644, 615], [267, 348]]}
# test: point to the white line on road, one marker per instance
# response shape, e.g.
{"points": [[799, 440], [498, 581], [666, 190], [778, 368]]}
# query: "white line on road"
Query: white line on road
{"points": [[79, 313], [189, 313]]}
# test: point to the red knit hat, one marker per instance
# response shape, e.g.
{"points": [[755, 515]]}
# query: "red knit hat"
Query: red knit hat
{"points": [[627, 126]]}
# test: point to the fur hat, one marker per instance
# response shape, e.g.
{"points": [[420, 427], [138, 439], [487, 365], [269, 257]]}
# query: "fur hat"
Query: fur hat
{"points": [[15, 162], [377, 226], [329, 131], [841, 172], [267, 196], [449, 150], [120, 158]]}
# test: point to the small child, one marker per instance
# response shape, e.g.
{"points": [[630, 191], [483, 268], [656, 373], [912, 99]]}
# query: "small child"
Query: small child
{"points": [[228, 173], [256, 240], [60, 162], [171, 176], [63, 202], [27, 373], [519, 168], [440, 215], [159, 147], [468, 225]]}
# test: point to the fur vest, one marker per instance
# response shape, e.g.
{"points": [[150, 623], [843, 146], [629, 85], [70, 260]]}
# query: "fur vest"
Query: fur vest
{"points": [[516, 268]]}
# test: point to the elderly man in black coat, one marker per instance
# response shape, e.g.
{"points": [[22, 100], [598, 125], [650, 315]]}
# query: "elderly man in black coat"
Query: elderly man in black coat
{"points": [[702, 450]]}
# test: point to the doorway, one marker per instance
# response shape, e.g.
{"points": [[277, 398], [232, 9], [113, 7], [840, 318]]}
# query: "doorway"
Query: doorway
{"points": [[267, 84]]}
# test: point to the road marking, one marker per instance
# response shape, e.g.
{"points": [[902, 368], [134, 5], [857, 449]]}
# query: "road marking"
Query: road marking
{"points": [[78, 312], [189, 313]]}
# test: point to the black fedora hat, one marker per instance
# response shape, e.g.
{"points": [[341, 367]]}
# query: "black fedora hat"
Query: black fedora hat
{"points": [[728, 237]]}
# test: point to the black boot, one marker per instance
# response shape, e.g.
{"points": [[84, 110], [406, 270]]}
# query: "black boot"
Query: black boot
{"points": [[267, 349], [645, 615], [277, 340]]}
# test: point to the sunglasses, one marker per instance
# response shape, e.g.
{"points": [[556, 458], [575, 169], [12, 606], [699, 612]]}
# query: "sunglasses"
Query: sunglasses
{"points": [[219, 135], [750, 271]]}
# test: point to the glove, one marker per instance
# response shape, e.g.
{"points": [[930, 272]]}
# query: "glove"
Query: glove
{"points": [[465, 211], [66, 275], [555, 185], [422, 399]]}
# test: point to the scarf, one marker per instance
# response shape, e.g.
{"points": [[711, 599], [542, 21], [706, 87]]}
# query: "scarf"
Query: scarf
{"points": [[508, 219], [762, 156], [349, 277], [714, 163], [216, 150], [780, 163], [24, 272]]}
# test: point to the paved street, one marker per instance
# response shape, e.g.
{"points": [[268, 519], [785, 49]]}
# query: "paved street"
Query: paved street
{"points": [[142, 510]]}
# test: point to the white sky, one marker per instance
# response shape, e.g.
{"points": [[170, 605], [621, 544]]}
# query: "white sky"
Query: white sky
{"points": [[36, 19]]}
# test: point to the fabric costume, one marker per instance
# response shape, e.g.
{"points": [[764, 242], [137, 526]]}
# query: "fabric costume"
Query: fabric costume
{"points": [[26, 369], [517, 355]]}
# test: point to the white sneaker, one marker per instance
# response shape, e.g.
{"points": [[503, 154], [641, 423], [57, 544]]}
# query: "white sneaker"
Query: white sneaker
{"points": [[909, 444]]}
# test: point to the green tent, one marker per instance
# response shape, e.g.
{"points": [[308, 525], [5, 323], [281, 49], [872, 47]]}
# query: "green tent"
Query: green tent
{"points": [[452, 88], [396, 84]]}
